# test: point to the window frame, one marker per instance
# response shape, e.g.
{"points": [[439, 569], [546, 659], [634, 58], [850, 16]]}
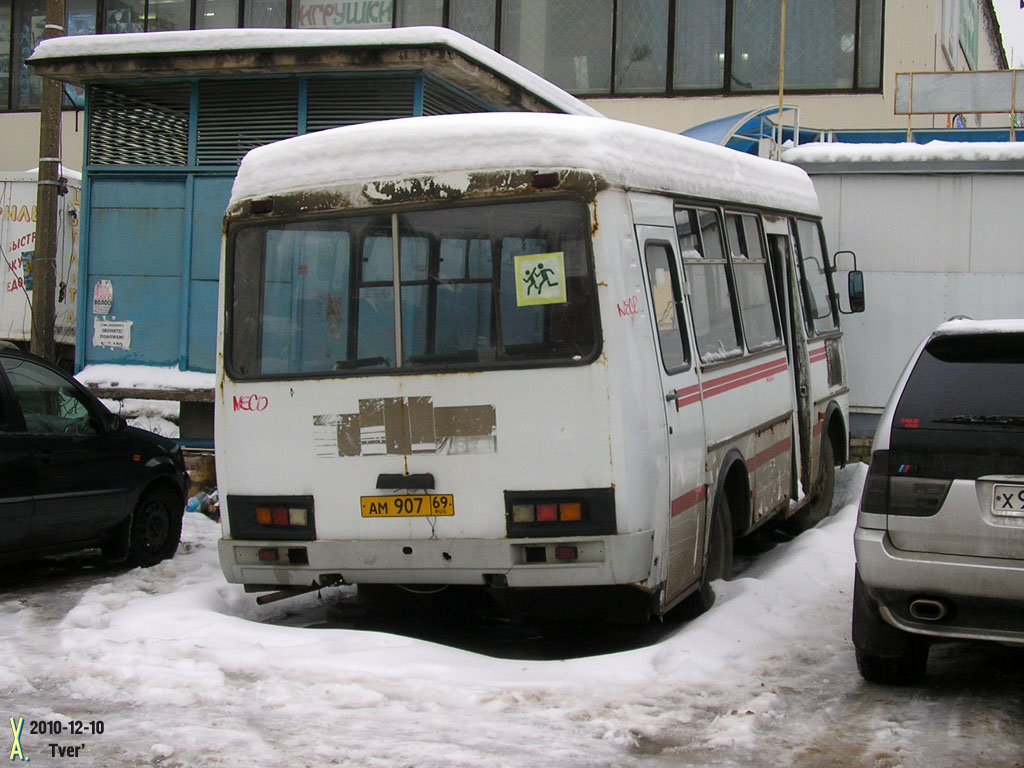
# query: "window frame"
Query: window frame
{"points": [[726, 264], [678, 298], [499, 363], [750, 263]]}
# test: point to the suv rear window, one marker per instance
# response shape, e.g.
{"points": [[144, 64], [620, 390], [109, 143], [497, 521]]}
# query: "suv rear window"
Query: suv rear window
{"points": [[970, 381]]}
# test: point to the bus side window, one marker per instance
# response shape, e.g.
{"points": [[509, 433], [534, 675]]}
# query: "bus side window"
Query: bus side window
{"points": [[665, 302], [705, 264], [816, 285], [750, 270]]}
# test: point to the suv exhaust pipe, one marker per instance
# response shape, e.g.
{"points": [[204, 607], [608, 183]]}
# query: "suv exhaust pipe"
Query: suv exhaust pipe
{"points": [[927, 609]]}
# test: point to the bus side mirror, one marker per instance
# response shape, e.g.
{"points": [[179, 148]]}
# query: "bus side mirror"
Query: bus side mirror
{"points": [[854, 284], [855, 288]]}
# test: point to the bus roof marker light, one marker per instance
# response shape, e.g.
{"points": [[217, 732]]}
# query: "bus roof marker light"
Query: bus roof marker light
{"points": [[545, 180], [266, 205]]}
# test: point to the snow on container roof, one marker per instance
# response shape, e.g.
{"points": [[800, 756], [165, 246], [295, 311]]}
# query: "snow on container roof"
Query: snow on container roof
{"points": [[933, 157], [91, 58], [623, 154]]}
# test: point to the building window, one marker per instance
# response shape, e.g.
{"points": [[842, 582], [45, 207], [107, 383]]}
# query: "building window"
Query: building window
{"points": [[569, 42], [271, 14], [588, 47], [699, 61], [419, 13], [216, 14], [641, 46], [475, 19], [5, 53]]}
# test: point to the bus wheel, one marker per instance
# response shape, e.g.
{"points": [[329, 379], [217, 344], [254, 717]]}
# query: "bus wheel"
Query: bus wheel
{"points": [[820, 504], [717, 564]]}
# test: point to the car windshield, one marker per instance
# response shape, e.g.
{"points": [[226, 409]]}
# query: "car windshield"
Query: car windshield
{"points": [[974, 381], [473, 286]]}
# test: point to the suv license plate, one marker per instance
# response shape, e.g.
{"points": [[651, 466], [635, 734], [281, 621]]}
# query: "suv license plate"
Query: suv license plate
{"points": [[1008, 500], [408, 505]]}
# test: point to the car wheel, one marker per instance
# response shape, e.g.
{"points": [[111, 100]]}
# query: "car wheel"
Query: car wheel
{"points": [[155, 528], [820, 504], [885, 654], [718, 564]]}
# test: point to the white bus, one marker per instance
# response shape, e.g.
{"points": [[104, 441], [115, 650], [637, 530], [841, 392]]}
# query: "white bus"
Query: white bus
{"points": [[520, 351]]}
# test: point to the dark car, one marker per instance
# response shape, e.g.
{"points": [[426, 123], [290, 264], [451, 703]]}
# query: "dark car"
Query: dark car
{"points": [[940, 534], [75, 476]]}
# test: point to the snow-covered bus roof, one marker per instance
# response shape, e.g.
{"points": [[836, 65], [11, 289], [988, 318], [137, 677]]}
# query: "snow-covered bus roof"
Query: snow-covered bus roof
{"points": [[92, 58], [933, 157], [622, 154]]}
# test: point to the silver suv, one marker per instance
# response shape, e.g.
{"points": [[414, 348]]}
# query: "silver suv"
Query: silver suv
{"points": [[940, 534]]}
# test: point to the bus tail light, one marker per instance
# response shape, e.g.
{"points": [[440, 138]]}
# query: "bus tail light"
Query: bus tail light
{"points": [[273, 518], [566, 552], [583, 512]]}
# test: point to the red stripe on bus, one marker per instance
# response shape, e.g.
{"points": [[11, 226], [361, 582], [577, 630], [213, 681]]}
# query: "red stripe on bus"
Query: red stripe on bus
{"points": [[742, 378], [692, 394], [817, 355], [688, 500], [770, 453]]}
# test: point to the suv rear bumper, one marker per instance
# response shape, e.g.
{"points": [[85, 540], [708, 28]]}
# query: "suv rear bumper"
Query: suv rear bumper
{"points": [[981, 599], [601, 560]]}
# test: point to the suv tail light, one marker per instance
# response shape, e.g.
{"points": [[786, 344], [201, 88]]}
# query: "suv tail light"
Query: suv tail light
{"points": [[894, 490]]}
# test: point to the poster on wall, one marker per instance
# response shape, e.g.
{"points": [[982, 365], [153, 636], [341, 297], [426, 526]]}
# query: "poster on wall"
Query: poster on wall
{"points": [[345, 14]]}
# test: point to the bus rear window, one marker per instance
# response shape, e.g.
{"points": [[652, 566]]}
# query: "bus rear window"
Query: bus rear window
{"points": [[477, 286]]}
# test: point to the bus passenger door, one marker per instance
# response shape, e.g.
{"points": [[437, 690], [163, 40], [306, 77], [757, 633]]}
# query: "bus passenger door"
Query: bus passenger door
{"points": [[784, 274], [684, 417]]}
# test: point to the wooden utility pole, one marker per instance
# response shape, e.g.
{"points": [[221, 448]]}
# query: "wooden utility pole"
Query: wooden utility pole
{"points": [[44, 260]]}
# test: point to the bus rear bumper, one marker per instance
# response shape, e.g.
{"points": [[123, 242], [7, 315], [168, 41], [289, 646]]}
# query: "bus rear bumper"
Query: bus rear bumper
{"points": [[569, 562]]}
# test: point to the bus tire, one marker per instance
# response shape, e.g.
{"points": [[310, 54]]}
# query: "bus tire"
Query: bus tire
{"points": [[717, 564], [820, 504]]}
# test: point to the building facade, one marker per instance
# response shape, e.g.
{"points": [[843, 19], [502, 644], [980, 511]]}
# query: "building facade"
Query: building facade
{"points": [[670, 64]]}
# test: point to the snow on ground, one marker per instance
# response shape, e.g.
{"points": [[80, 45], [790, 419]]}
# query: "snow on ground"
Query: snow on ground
{"points": [[186, 670]]}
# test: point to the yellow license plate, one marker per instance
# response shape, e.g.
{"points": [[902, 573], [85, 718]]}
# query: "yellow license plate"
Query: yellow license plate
{"points": [[408, 505]]}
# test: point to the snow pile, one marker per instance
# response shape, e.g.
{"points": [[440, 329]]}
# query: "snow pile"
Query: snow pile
{"points": [[177, 640], [933, 151], [110, 376]]}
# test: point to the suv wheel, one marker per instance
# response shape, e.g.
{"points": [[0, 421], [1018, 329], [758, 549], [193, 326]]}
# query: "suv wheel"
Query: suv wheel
{"points": [[155, 528], [884, 653]]}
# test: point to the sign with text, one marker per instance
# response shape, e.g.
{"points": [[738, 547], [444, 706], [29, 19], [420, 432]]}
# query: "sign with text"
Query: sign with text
{"points": [[345, 14]]}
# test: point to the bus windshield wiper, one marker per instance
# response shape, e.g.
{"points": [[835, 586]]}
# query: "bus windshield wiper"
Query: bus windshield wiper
{"points": [[1001, 421]]}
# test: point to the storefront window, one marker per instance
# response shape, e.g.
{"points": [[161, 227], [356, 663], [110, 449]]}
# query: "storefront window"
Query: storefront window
{"points": [[419, 13], [168, 16], [820, 44], [474, 19], [869, 63], [641, 46], [343, 14], [569, 42], [122, 16], [29, 23], [699, 44], [216, 14], [266, 13], [5, 56]]}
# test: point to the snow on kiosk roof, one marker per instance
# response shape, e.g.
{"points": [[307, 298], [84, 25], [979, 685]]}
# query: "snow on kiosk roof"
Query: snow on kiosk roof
{"points": [[217, 52], [621, 154]]}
